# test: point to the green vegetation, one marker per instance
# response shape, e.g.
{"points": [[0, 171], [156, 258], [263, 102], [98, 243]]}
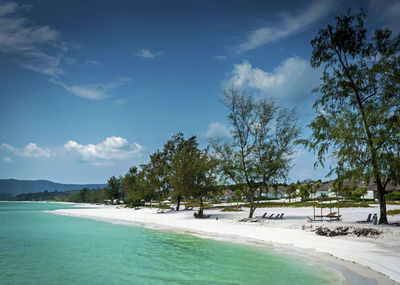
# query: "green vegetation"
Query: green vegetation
{"points": [[193, 173], [349, 204], [393, 212], [393, 196], [263, 138], [358, 103], [231, 209]]}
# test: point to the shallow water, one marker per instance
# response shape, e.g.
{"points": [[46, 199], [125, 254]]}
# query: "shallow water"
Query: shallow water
{"points": [[37, 247]]}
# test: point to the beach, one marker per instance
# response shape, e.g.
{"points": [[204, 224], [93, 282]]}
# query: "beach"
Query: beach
{"points": [[372, 257]]}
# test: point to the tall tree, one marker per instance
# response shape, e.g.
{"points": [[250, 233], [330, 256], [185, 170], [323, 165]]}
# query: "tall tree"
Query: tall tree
{"points": [[158, 169], [113, 188], [291, 190], [136, 187], [263, 137], [193, 172], [358, 102]]}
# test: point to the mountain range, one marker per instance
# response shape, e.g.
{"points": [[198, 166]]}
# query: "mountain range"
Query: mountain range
{"points": [[14, 187]]}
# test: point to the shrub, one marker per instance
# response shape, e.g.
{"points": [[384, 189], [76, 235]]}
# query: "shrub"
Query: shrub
{"points": [[393, 212], [393, 196], [231, 209]]}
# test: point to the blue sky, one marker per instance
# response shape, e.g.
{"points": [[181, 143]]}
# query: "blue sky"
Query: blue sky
{"points": [[89, 89]]}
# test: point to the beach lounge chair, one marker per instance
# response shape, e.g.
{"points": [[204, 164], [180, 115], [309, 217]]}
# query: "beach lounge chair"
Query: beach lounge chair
{"points": [[277, 217], [264, 216], [368, 220], [281, 217], [270, 217]]}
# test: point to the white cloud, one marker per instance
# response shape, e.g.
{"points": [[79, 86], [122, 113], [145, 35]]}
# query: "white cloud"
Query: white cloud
{"points": [[148, 54], [112, 148], [94, 91], [218, 130], [291, 77], [92, 62], [30, 150], [289, 24], [7, 159], [38, 48]]}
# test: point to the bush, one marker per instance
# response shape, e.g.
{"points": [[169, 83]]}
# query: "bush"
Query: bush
{"points": [[393, 212], [393, 196], [231, 209]]}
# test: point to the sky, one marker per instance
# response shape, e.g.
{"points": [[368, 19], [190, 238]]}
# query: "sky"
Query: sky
{"points": [[90, 88]]}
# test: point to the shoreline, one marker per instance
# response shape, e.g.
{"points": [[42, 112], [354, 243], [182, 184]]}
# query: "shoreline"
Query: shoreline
{"points": [[354, 258]]}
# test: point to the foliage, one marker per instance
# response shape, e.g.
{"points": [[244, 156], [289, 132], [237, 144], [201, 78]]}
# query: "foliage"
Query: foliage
{"points": [[193, 172], [157, 171], [231, 209], [113, 189], [393, 212], [291, 190], [136, 188], [258, 155], [393, 196], [358, 102]]}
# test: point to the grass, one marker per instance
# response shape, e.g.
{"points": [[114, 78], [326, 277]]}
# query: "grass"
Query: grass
{"points": [[197, 204], [231, 209], [393, 212]]}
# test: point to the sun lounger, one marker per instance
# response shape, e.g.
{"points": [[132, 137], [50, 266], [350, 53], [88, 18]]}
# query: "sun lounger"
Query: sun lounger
{"points": [[368, 220], [264, 216], [270, 217], [277, 217], [310, 220]]}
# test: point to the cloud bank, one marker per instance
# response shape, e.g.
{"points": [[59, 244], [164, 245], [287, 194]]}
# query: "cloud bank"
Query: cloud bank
{"points": [[30, 150], [292, 77], [112, 148]]}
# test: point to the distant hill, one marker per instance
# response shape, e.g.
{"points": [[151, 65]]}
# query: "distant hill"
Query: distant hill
{"points": [[14, 187]]}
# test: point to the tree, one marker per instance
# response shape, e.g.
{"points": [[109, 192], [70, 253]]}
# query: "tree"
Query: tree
{"points": [[136, 187], [291, 190], [84, 195], [113, 188], [304, 192], [193, 172], [358, 103], [158, 169], [263, 139], [237, 195]]}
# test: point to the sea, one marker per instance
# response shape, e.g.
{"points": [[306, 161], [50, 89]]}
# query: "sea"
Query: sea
{"points": [[39, 247]]}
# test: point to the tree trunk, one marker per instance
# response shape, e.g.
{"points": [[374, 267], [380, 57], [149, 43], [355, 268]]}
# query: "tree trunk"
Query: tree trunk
{"points": [[178, 203], [382, 204], [201, 208], [252, 208]]}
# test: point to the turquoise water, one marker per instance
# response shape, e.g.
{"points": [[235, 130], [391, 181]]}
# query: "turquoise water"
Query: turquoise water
{"points": [[37, 247]]}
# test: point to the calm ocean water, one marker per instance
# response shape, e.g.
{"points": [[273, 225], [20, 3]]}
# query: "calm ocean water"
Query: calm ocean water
{"points": [[37, 247]]}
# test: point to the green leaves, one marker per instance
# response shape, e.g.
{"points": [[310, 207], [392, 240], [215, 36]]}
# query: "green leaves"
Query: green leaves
{"points": [[263, 141], [358, 100]]}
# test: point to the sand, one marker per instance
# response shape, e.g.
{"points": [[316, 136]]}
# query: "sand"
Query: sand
{"points": [[381, 254]]}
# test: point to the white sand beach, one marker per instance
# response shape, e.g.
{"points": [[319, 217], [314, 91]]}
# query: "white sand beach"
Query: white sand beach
{"points": [[381, 254]]}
